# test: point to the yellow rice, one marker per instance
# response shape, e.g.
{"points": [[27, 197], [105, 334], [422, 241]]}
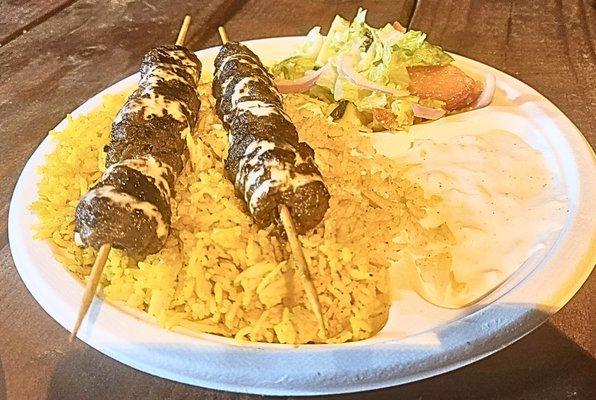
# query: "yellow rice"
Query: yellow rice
{"points": [[217, 272]]}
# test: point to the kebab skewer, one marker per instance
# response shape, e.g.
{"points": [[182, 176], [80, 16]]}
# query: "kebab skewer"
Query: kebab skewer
{"points": [[272, 171], [129, 208]]}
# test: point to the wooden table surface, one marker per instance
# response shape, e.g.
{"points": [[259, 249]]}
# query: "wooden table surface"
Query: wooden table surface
{"points": [[55, 54]]}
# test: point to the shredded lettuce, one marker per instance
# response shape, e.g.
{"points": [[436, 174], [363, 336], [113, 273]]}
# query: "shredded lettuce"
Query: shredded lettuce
{"points": [[381, 55], [327, 79], [345, 90], [373, 100], [293, 67], [312, 44], [335, 40], [412, 49], [402, 109]]}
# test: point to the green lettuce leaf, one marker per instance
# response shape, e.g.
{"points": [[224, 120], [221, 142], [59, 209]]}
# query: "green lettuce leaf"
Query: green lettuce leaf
{"points": [[293, 67], [380, 55], [336, 38], [327, 79], [373, 100], [402, 108], [411, 49], [311, 46], [344, 89]]}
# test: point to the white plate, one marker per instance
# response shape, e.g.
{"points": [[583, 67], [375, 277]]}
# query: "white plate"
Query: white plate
{"points": [[419, 341]]}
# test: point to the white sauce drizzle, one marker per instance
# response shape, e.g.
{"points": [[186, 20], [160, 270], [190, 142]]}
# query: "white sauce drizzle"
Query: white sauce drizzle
{"points": [[263, 146], [157, 105], [252, 178], [167, 72], [152, 105], [240, 90], [225, 84], [148, 166], [181, 56], [279, 174], [280, 178], [259, 192], [257, 108], [241, 59], [164, 72], [128, 201]]}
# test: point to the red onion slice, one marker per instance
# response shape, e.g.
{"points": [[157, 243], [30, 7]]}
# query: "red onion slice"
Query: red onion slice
{"points": [[490, 84], [301, 84], [427, 112]]}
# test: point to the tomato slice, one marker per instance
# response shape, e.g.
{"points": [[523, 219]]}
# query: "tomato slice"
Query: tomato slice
{"points": [[446, 83]]}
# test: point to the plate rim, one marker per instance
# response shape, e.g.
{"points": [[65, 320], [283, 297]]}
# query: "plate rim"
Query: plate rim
{"points": [[531, 317]]}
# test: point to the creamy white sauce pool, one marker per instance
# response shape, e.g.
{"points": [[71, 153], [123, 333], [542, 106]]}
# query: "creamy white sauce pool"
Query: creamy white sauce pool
{"points": [[500, 201]]}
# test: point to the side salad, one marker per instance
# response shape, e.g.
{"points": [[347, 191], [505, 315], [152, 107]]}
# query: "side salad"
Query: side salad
{"points": [[386, 78]]}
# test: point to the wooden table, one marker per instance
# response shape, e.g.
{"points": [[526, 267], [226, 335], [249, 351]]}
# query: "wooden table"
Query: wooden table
{"points": [[55, 54]]}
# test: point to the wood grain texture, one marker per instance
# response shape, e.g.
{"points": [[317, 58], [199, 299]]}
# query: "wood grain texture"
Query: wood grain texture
{"points": [[259, 19], [17, 16], [89, 45]]}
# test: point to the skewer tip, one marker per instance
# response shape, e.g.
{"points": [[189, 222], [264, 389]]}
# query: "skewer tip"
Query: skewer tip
{"points": [[183, 31], [223, 35], [91, 287]]}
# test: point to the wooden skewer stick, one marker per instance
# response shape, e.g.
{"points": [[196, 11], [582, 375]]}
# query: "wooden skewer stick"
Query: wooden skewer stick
{"points": [[104, 250], [91, 287], [302, 266], [132, 262], [183, 31], [223, 34], [278, 253], [295, 246]]}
